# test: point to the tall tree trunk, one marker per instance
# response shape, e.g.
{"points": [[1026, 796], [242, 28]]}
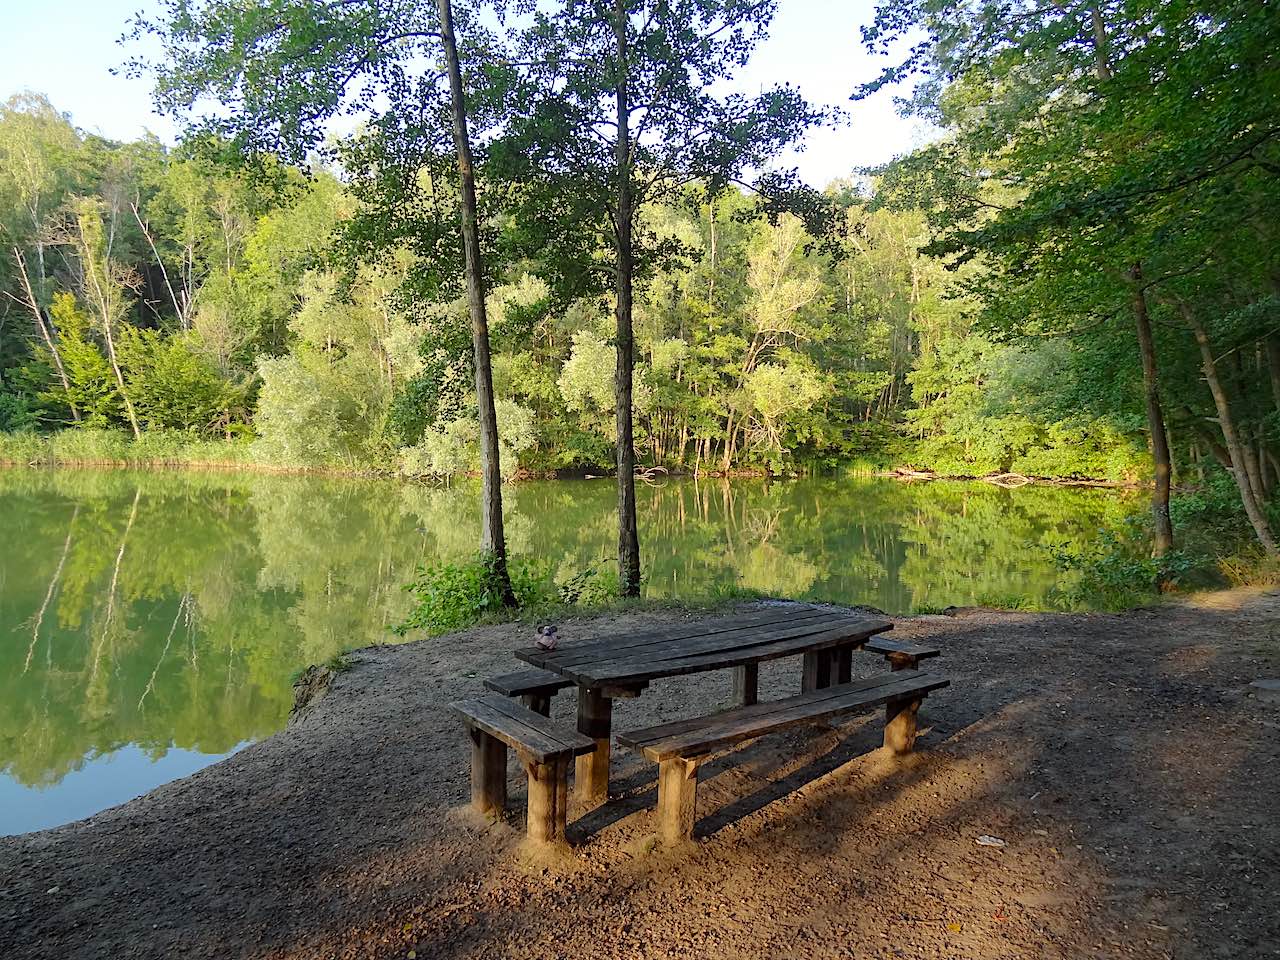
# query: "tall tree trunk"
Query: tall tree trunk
{"points": [[1234, 447], [628, 534], [1273, 367], [44, 326], [1162, 537], [492, 537]]}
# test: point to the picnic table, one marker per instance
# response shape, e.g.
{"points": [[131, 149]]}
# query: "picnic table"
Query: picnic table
{"points": [[622, 666]]}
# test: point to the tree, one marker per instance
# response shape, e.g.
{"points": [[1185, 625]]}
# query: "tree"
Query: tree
{"points": [[105, 285], [1075, 163], [619, 107], [284, 69], [39, 166]]}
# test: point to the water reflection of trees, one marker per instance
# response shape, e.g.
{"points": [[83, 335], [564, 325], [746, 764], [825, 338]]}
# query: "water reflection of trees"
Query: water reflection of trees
{"points": [[172, 608]]}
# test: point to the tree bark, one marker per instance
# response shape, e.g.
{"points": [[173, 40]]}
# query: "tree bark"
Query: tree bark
{"points": [[1162, 537], [46, 333], [1234, 448], [1273, 367], [628, 535], [492, 536]]}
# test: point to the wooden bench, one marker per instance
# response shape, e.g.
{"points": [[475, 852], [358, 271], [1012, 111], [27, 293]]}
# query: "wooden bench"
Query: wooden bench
{"points": [[545, 750], [679, 748], [900, 654], [535, 688], [823, 667]]}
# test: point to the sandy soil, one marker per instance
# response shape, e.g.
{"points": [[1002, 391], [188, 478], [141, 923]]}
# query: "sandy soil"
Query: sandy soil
{"points": [[1123, 759]]}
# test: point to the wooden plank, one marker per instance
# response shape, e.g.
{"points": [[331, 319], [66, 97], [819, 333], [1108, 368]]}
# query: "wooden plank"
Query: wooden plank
{"points": [[697, 646], [602, 649], [624, 671], [793, 640], [888, 645], [685, 631], [726, 728], [484, 714], [574, 742], [521, 682], [637, 739]]}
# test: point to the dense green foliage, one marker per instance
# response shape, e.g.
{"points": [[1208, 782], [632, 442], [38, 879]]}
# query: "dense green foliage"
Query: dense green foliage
{"points": [[756, 349], [971, 309], [1110, 168]]}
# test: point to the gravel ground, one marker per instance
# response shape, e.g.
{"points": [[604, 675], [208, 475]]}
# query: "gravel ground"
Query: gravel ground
{"points": [[1124, 760]]}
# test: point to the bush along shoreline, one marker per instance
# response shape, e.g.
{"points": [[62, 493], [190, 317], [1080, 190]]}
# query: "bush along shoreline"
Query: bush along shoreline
{"points": [[90, 447]]}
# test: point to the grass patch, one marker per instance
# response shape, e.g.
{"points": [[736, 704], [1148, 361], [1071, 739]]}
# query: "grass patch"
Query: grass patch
{"points": [[455, 596]]}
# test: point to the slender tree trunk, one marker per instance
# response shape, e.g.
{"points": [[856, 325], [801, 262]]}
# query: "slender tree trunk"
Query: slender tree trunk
{"points": [[108, 334], [45, 329], [1273, 367], [492, 537], [1234, 447], [1162, 538], [628, 534]]}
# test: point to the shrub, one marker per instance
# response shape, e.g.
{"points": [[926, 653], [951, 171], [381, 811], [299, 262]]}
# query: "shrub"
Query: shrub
{"points": [[451, 596], [1115, 572]]}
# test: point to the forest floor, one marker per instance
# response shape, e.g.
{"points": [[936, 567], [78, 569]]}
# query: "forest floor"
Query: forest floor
{"points": [[1131, 770]]}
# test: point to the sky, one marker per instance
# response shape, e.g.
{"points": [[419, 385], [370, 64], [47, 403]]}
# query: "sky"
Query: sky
{"points": [[65, 49]]}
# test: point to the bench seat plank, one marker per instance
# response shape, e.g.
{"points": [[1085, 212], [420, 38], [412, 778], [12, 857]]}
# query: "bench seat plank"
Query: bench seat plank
{"points": [[521, 683], [889, 646], [698, 737], [532, 734]]}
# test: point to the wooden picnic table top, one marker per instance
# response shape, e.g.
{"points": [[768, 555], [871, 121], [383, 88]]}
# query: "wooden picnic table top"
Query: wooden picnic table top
{"points": [[633, 659]]}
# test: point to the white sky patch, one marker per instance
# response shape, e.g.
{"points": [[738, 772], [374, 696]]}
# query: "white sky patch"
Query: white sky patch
{"points": [[66, 49]]}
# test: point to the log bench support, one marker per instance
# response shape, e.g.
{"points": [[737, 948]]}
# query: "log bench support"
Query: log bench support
{"points": [[548, 800], [900, 718], [900, 654], [495, 723], [680, 748], [488, 774], [677, 798]]}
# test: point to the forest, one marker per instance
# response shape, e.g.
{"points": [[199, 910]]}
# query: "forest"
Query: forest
{"points": [[148, 291], [1076, 278]]}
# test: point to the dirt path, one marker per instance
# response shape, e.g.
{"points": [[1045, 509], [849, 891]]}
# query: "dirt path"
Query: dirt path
{"points": [[1135, 780]]}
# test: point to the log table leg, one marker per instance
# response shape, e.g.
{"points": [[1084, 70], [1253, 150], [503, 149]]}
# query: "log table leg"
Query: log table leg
{"points": [[842, 665], [900, 725], [817, 671], [595, 719], [746, 684], [548, 796], [677, 799], [488, 774]]}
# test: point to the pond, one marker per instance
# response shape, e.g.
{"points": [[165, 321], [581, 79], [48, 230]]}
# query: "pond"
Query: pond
{"points": [[151, 622]]}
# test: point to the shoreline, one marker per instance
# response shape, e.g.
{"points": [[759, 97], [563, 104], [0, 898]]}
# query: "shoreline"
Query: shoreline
{"points": [[901, 474], [346, 834]]}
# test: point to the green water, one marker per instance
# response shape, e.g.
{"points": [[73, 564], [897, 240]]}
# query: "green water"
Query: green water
{"points": [[150, 622]]}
